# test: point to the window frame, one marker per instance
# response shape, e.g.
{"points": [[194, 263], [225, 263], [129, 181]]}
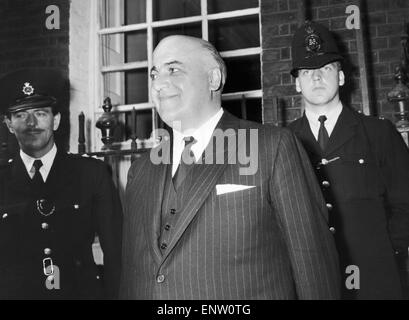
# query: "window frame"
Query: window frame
{"points": [[149, 26]]}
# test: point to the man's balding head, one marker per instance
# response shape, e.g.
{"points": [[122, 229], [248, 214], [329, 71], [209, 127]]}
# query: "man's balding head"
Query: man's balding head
{"points": [[208, 51], [188, 75]]}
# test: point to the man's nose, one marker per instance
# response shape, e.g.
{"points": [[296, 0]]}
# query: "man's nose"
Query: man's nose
{"points": [[31, 120], [160, 83], [316, 74]]}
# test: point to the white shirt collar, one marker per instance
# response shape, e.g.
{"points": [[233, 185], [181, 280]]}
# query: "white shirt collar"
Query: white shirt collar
{"points": [[202, 136], [332, 117], [47, 161]]}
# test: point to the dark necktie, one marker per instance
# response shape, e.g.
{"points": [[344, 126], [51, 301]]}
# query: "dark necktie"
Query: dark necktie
{"points": [[323, 136], [37, 178], [186, 161]]}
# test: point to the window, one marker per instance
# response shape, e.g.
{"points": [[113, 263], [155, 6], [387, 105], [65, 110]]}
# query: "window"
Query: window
{"points": [[130, 30]]}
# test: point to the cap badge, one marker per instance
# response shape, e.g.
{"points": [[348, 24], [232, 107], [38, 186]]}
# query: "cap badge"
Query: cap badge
{"points": [[312, 41], [28, 89]]}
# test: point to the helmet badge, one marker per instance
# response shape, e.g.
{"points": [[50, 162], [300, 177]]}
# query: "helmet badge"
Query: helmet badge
{"points": [[28, 89], [312, 42]]}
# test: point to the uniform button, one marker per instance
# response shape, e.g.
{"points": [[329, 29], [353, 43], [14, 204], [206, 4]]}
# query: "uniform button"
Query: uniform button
{"points": [[329, 206], [160, 278], [332, 229], [44, 226], [47, 251], [172, 211], [5, 216], [167, 227], [76, 206], [361, 161], [325, 184], [163, 246]]}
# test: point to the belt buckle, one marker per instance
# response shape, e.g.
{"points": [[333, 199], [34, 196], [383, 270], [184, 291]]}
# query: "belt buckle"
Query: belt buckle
{"points": [[48, 264]]}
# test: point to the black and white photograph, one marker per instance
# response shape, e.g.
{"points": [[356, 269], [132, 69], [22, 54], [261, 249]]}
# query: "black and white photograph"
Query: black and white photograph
{"points": [[204, 156]]}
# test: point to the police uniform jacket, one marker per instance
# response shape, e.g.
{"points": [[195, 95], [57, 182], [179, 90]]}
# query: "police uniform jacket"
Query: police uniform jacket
{"points": [[364, 176], [81, 202]]}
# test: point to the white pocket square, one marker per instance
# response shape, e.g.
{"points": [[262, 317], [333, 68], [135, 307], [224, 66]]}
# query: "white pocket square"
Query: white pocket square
{"points": [[227, 188]]}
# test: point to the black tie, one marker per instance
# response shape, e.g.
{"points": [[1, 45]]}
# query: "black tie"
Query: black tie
{"points": [[186, 161], [37, 178], [323, 136]]}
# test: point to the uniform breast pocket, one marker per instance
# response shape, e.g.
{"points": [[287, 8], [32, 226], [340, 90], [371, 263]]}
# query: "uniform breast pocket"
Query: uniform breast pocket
{"points": [[360, 176]]}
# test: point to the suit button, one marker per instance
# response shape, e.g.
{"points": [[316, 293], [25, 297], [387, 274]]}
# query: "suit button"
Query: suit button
{"points": [[167, 227], [5, 216], [47, 251], [329, 206], [160, 278], [163, 246], [332, 229], [325, 183], [76, 206], [44, 226], [172, 211], [361, 161]]}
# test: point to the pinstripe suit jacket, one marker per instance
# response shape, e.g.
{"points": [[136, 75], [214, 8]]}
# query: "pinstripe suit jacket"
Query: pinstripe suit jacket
{"points": [[267, 242]]}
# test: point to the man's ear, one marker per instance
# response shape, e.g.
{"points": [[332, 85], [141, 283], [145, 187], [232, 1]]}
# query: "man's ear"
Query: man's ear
{"points": [[297, 85], [8, 124], [341, 76], [57, 119], [215, 79]]}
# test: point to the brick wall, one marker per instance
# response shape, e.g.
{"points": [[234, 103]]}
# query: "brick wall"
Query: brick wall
{"points": [[26, 42], [383, 25]]}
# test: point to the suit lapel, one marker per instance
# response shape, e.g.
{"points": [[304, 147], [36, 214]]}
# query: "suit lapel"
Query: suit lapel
{"points": [[344, 130], [204, 178]]}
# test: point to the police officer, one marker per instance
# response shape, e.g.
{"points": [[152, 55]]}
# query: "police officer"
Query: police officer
{"points": [[52, 204], [362, 165]]}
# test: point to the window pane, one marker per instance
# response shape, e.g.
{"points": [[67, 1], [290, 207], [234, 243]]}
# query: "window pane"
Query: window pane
{"points": [[214, 6], [113, 87], [143, 124], [125, 47], [116, 13], [112, 49], [136, 86], [111, 13], [190, 29], [243, 74], [135, 11], [127, 87], [238, 33], [135, 44], [251, 110], [171, 9]]}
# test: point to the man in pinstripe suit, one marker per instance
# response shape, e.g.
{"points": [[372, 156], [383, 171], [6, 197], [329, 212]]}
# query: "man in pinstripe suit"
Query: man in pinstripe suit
{"points": [[210, 230]]}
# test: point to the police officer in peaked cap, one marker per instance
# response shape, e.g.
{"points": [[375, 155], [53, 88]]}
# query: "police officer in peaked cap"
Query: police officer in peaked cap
{"points": [[362, 164], [52, 204]]}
